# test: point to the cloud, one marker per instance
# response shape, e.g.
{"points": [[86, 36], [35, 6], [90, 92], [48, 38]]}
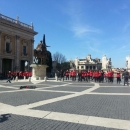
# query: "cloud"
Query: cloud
{"points": [[126, 27], [82, 30], [124, 7], [78, 20], [124, 48]]}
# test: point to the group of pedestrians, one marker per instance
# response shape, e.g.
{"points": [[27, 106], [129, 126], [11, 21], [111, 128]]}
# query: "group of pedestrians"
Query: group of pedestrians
{"points": [[20, 75], [95, 76]]}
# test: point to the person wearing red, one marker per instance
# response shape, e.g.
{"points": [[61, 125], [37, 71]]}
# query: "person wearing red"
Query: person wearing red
{"points": [[74, 75], [86, 75], [111, 76], [118, 76]]}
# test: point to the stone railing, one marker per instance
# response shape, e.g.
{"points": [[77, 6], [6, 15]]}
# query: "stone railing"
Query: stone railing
{"points": [[16, 21]]}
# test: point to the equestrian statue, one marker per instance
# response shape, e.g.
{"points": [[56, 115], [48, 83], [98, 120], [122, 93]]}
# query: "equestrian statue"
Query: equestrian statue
{"points": [[41, 53]]}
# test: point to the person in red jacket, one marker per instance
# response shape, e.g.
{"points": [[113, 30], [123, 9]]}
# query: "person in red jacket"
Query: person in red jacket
{"points": [[111, 76], [118, 76], [96, 76]]}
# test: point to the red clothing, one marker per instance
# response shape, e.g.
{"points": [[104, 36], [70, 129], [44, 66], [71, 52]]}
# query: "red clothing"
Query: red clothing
{"points": [[91, 73], [99, 74], [88, 74], [67, 73], [118, 75], [111, 74]]}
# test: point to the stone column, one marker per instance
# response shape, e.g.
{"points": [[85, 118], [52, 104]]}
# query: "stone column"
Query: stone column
{"points": [[12, 65], [0, 64], [17, 47], [0, 41], [31, 51]]}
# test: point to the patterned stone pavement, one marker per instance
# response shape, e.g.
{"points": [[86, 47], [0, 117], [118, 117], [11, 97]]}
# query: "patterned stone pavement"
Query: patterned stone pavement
{"points": [[57, 105]]}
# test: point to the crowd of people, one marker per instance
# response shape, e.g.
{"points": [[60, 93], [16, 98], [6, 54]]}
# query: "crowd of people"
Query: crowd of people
{"points": [[82, 75], [94, 75], [20, 75]]}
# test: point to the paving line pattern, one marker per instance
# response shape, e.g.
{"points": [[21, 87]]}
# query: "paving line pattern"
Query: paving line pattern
{"points": [[25, 110]]}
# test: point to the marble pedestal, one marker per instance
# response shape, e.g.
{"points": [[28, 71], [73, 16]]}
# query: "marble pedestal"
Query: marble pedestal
{"points": [[38, 71]]}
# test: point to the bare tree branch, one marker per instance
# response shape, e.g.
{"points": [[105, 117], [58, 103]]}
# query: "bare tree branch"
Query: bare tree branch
{"points": [[59, 58]]}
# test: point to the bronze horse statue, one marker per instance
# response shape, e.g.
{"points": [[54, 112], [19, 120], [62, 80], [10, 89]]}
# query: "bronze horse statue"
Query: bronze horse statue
{"points": [[41, 53]]}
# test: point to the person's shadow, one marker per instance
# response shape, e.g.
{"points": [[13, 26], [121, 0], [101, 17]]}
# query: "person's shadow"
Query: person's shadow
{"points": [[4, 117]]}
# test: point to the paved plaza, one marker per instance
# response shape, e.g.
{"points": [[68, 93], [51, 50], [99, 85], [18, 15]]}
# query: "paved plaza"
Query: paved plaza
{"points": [[68, 105]]}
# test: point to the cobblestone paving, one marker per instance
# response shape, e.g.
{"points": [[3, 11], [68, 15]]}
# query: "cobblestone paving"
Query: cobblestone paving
{"points": [[27, 97], [110, 84], [113, 90], [53, 83], [75, 89], [81, 84], [16, 122], [16, 83], [116, 107], [6, 89]]}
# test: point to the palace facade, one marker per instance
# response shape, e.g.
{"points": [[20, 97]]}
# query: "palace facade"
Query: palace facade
{"points": [[88, 63], [16, 44]]}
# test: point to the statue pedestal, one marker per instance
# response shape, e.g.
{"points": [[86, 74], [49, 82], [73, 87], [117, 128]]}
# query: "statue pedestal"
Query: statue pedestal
{"points": [[38, 71]]}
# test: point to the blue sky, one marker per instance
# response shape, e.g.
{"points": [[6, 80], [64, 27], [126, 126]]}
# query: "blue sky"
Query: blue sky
{"points": [[77, 28]]}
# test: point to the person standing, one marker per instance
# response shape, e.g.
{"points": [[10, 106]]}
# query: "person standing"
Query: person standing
{"points": [[10, 77], [126, 76], [67, 75], [118, 76], [62, 75]]}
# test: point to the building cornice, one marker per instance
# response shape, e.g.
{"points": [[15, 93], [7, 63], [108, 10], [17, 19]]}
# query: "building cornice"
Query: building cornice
{"points": [[12, 23]]}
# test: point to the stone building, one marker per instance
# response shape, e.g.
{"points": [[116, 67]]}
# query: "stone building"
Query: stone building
{"points": [[86, 63], [16, 44]]}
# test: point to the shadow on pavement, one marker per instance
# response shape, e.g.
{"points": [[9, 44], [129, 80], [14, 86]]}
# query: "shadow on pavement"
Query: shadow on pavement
{"points": [[4, 117]]}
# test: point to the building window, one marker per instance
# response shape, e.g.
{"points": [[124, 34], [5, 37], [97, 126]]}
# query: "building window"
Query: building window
{"points": [[94, 67], [8, 47], [24, 50], [87, 67], [82, 67]]}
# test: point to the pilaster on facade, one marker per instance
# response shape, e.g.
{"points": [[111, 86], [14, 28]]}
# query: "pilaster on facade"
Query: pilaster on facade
{"points": [[17, 47], [0, 64], [32, 51]]}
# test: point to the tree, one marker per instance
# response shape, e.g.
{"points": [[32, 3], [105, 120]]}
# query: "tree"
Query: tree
{"points": [[59, 58], [49, 62], [61, 61]]}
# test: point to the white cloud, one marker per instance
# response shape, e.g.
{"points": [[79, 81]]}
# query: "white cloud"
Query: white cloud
{"points": [[124, 7], [78, 20], [126, 27], [82, 30]]}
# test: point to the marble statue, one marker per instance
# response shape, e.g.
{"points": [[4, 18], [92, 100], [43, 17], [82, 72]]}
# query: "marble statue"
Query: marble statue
{"points": [[106, 63], [128, 62]]}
